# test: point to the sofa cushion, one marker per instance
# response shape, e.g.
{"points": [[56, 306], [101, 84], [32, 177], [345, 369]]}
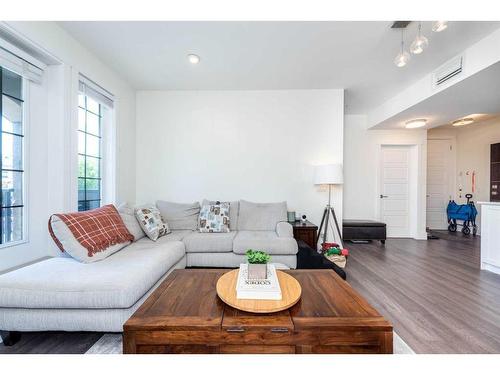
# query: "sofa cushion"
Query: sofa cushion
{"points": [[180, 215], [267, 241], [118, 281], [177, 235], [234, 208], [261, 216], [197, 242]]}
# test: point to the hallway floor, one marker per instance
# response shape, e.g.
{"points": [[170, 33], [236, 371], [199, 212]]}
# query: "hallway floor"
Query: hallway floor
{"points": [[432, 291]]}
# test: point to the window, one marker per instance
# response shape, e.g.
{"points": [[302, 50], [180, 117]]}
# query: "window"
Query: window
{"points": [[89, 152], [95, 145], [11, 161]]}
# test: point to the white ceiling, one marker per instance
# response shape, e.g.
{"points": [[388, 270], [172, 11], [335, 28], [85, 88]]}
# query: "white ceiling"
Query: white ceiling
{"points": [[357, 56], [477, 94]]}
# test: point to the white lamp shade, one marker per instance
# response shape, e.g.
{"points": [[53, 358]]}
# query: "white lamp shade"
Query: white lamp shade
{"points": [[328, 174]]}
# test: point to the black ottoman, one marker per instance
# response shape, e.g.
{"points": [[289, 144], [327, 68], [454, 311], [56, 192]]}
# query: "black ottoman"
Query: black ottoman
{"points": [[308, 258], [364, 230]]}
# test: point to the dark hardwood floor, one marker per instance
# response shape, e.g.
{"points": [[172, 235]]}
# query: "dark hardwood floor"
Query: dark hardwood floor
{"points": [[432, 291]]}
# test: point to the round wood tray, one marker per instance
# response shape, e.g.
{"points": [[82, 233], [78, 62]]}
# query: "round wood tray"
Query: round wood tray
{"points": [[290, 292]]}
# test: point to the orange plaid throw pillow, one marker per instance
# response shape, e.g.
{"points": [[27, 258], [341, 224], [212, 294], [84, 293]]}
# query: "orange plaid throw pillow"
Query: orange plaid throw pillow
{"points": [[95, 230]]}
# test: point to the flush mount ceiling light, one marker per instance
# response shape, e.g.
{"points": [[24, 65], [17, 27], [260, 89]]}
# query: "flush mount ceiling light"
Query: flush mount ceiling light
{"points": [[420, 43], [193, 59], [402, 57], [439, 26], [417, 123], [463, 121]]}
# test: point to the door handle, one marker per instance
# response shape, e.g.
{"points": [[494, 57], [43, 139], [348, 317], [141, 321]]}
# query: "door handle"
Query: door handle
{"points": [[383, 196]]}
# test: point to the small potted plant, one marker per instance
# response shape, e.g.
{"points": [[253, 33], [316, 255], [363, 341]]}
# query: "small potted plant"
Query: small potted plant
{"points": [[257, 264]]}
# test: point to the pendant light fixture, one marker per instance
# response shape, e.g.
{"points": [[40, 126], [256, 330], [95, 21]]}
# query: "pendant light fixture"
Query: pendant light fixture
{"points": [[439, 26], [420, 42], [403, 57]]}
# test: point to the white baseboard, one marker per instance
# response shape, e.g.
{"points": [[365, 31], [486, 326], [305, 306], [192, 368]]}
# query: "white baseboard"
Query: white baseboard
{"points": [[490, 267]]}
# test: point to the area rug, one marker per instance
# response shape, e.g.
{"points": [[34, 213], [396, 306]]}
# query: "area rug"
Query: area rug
{"points": [[111, 343]]}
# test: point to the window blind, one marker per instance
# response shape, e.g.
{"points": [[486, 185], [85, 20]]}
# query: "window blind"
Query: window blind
{"points": [[96, 92], [12, 61]]}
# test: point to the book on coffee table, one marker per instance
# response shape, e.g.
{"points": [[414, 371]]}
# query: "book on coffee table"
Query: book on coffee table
{"points": [[267, 289]]}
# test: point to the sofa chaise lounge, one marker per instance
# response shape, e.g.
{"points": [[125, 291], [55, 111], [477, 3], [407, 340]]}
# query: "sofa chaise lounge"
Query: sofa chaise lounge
{"points": [[61, 293]]}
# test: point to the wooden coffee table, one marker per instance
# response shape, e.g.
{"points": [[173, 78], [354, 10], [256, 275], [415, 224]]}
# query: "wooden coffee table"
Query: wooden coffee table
{"points": [[185, 315]]}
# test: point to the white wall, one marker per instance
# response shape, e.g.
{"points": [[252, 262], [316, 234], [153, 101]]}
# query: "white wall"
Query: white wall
{"points": [[230, 145], [362, 164], [472, 153], [50, 136], [477, 57]]}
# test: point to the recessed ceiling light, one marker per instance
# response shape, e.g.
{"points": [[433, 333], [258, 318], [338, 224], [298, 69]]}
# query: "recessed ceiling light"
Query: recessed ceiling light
{"points": [[193, 59], [463, 121], [417, 123]]}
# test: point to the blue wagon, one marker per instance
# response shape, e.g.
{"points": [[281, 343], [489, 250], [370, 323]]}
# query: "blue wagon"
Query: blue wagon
{"points": [[464, 212]]}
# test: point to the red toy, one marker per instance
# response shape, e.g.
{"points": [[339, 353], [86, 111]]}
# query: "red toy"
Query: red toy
{"points": [[328, 245], [331, 248]]}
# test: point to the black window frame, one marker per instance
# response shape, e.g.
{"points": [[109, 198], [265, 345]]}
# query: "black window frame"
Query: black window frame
{"points": [[84, 204], [21, 135]]}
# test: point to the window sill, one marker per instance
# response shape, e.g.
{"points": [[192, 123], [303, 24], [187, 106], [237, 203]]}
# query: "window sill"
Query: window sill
{"points": [[14, 243]]}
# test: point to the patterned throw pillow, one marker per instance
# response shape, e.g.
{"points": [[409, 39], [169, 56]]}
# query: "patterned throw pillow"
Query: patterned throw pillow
{"points": [[152, 222], [214, 218]]}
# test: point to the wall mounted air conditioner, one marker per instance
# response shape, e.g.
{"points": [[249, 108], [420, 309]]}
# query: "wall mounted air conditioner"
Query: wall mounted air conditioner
{"points": [[447, 71]]}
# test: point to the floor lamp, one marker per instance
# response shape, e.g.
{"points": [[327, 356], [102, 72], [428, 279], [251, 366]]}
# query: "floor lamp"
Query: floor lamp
{"points": [[329, 174]]}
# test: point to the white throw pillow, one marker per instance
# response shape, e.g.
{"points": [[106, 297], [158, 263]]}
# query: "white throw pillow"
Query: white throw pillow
{"points": [[152, 222], [128, 216]]}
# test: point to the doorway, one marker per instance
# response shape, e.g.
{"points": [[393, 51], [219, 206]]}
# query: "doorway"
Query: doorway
{"points": [[396, 177], [440, 181]]}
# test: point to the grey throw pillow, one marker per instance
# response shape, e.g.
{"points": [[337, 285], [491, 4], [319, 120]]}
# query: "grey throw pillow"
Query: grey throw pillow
{"points": [[128, 216], [261, 216], [180, 216]]}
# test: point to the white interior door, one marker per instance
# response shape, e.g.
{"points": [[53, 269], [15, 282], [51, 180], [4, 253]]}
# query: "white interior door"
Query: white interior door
{"points": [[394, 190], [439, 179]]}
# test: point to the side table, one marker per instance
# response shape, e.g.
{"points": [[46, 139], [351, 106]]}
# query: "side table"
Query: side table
{"points": [[307, 232]]}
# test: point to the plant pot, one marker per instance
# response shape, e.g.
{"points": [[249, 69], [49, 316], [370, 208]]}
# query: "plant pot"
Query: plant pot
{"points": [[257, 271]]}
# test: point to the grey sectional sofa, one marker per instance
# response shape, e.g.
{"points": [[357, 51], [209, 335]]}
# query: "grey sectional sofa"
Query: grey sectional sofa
{"points": [[63, 294]]}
